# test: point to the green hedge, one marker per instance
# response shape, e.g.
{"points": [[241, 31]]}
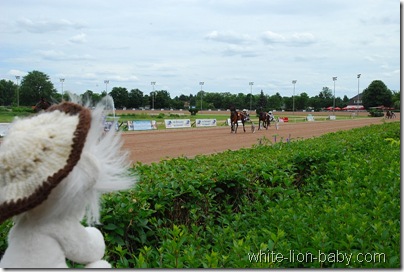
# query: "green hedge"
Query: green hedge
{"points": [[336, 194], [304, 203]]}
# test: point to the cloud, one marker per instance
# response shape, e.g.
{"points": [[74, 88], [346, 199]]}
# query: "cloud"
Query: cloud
{"points": [[272, 37], [243, 51], [228, 37], [52, 54], [166, 42], [80, 38], [44, 26], [392, 73], [59, 55], [120, 78], [296, 39], [302, 38], [380, 20], [14, 72]]}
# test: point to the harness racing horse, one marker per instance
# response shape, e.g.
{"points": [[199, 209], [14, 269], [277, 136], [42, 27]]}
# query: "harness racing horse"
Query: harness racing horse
{"points": [[390, 115], [41, 105], [265, 118], [235, 116]]}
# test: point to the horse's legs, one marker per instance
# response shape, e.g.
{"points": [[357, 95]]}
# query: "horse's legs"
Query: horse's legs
{"points": [[233, 127]]}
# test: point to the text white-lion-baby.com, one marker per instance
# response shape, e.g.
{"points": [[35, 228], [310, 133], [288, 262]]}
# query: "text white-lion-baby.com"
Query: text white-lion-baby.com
{"points": [[293, 256]]}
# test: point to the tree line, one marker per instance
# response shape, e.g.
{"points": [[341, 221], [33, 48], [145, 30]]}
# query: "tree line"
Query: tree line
{"points": [[36, 85]]}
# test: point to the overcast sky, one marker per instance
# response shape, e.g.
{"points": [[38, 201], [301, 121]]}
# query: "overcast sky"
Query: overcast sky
{"points": [[224, 43]]}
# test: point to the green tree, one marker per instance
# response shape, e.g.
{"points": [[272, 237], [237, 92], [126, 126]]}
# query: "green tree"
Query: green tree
{"points": [[288, 102], [344, 102], [179, 102], [202, 96], [326, 93], [34, 86], [377, 94], [275, 102], [240, 101], [192, 100], [302, 101], [214, 99], [228, 100], [135, 98], [94, 98], [162, 99], [8, 92], [147, 101], [87, 95], [120, 96], [249, 101], [323, 100], [396, 99], [261, 103]]}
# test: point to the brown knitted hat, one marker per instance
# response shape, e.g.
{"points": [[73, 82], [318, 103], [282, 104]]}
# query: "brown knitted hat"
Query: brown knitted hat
{"points": [[38, 153]]}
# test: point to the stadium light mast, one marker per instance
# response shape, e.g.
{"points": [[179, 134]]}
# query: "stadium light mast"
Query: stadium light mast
{"points": [[106, 85], [18, 91], [201, 83], [153, 83], [333, 105], [251, 84], [294, 85], [358, 100], [62, 80]]}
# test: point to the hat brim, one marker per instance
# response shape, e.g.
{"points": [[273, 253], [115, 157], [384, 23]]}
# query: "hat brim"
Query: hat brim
{"points": [[38, 153]]}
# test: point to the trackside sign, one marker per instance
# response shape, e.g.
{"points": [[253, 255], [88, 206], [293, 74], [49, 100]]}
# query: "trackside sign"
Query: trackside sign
{"points": [[177, 123], [205, 122], [142, 125]]}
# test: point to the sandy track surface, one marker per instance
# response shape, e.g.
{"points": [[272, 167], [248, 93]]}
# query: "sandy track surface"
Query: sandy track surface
{"points": [[154, 146]]}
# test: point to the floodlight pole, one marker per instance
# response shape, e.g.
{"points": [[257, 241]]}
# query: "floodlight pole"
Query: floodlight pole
{"points": [[62, 80], [153, 94], [106, 85], [201, 83], [333, 106], [357, 101], [294, 85], [18, 91], [251, 84]]}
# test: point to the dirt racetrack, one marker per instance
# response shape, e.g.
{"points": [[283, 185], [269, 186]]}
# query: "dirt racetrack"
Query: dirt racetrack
{"points": [[154, 146]]}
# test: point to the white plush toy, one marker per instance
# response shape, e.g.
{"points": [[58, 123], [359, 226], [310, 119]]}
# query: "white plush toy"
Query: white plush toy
{"points": [[54, 167]]}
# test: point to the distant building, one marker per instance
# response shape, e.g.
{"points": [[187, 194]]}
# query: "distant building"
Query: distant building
{"points": [[354, 100]]}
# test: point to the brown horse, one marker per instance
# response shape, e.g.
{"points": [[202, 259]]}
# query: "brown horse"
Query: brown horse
{"points": [[390, 115], [41, 105], [265, 118], [235, 116]]}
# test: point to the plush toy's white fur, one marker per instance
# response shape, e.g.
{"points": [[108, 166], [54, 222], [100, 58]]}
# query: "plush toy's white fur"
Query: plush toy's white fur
{"points": [[46, 235]]}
